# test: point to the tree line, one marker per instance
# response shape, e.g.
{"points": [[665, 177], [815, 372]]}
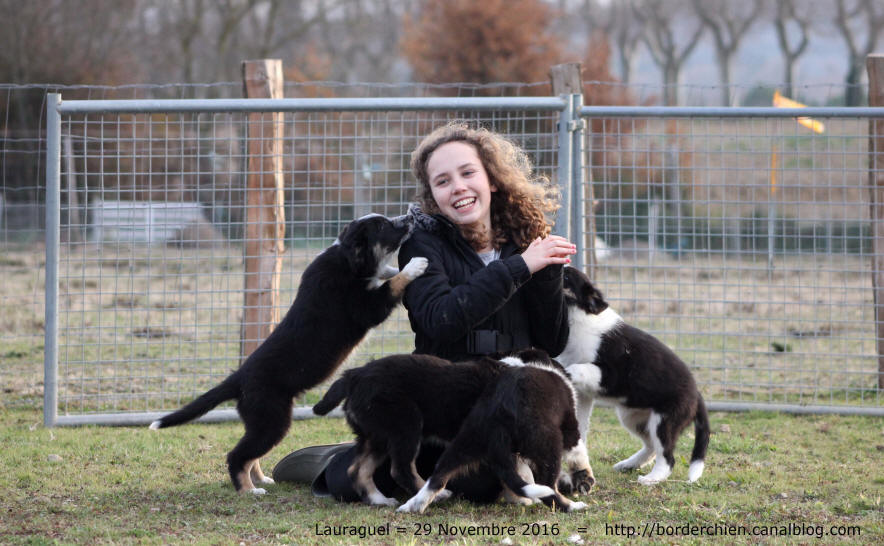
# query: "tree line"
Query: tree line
{"points": [[112, 42]]}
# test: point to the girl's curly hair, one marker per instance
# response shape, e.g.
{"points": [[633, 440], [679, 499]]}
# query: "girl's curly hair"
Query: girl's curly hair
{"points": [[523, 199]]}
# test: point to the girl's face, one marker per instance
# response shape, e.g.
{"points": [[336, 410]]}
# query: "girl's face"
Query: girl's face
{"points": [[460, 184]]}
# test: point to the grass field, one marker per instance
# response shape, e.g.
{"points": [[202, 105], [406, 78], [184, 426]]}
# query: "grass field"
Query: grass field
{"points": [[765, 473]]}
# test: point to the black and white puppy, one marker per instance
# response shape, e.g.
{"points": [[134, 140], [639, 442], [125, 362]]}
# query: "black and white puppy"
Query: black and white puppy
{"points": [[485, 410], [652, 390], [348, 289]]}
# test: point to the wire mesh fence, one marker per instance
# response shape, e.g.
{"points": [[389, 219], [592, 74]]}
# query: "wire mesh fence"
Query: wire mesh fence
{"points": [[151, 254], [743, 241], [23, 195]]}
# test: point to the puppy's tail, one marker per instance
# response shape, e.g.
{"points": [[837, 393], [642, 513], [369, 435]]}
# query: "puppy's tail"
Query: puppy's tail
{"points": [[336, 393], [701, 441], [226, 390]]}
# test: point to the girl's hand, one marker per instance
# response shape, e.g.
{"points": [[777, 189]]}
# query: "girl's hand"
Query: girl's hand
{"points": [[552, 250]]}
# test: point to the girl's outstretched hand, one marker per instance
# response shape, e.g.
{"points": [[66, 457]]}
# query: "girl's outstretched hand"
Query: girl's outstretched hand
{"points": [[552, 250]]}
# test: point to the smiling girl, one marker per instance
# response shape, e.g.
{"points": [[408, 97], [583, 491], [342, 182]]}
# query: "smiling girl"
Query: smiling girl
{"points": [[494, 281]]}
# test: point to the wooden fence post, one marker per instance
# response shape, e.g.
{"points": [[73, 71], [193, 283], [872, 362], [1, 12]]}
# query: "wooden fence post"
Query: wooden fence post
{"points": [[875, 67], [265, 214], [565, 79]]}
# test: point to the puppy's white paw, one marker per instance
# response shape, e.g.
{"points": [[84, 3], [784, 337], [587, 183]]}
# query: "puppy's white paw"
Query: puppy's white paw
{"points": [[415, 267], [377, 499], [624, 466], [649, 480], [266, 480], [575, 506], [258, 491], [537, 491], [413, 505], [387, 501]]}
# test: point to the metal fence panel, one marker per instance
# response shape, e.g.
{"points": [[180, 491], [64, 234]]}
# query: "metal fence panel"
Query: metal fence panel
{"points": [[146, 322], [739, 237], [742, 239]]}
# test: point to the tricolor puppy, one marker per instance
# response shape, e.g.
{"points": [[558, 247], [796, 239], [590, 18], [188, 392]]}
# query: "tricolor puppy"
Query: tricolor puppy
{"points": [[651, 389], [486, 411], [348, 289]]}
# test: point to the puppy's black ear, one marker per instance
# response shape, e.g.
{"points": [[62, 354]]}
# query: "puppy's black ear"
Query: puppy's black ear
{"points": [[585, 294], [350, 231], [353, 241], [594, 299], [344, 231]]}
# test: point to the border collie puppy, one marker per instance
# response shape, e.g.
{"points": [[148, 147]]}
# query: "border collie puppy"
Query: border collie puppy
{"points": [[651, 389], [348, 289], [501, 413]]}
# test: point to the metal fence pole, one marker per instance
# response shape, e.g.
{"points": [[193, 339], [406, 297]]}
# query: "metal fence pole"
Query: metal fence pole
{"points": [[875, 67], [578, 217], [563, 216], [53, 214]]}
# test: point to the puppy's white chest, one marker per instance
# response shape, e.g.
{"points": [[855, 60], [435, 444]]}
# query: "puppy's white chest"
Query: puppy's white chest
{"points": [[585, 337]]}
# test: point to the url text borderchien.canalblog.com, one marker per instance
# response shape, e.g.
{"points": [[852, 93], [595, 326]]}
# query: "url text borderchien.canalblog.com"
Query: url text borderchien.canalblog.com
{"points": [[426, 529]]}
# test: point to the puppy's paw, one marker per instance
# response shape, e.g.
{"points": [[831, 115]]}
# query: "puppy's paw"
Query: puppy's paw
{"points": [[582, 482], [257, 491], [537, 491], [266, 480], [387, 502], [415, 268], [575, 506], [624, 466], [413, 505], [649, 480], [377, 499]]}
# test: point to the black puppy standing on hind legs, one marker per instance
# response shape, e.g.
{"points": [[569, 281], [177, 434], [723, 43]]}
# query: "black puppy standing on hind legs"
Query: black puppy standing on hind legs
{"points": [[652, 390], [348, 289]]}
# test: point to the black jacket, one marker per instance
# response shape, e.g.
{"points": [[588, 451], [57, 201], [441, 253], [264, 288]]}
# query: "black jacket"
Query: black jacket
{"points": [[458, 294]]}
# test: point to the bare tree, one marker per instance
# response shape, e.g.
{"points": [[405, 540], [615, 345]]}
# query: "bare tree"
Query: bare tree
{"points": [[181, 32], [364, 37], [666, 22], [616, 20], [66, 42], [209, 38], [858, 20], [185, 21], [786, 16], [728, 22], [62, 42], [279, 25]]}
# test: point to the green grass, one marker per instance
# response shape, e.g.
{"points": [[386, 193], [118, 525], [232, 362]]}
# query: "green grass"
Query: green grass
{"points": [[94, 485]]}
